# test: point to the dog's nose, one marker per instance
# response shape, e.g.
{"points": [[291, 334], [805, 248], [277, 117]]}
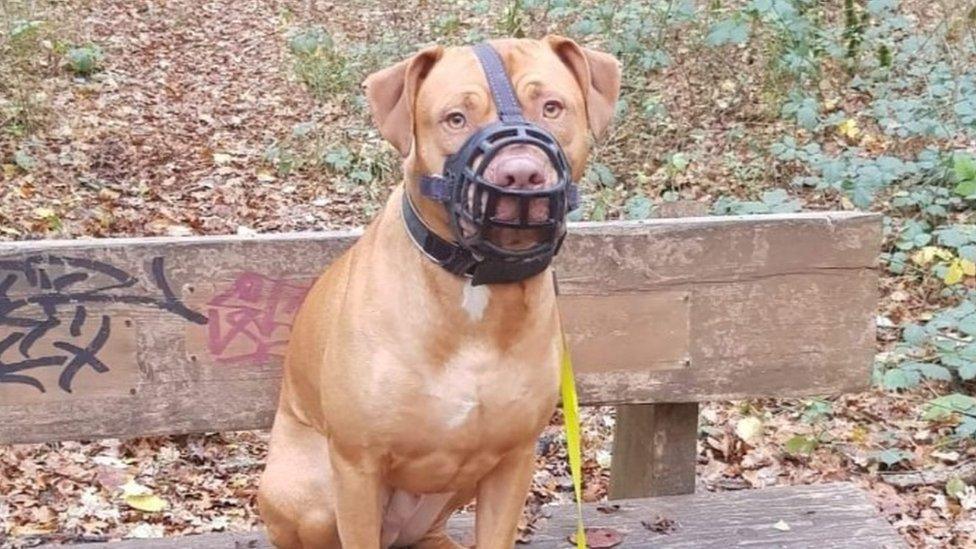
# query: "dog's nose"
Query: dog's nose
{"points": [[520, 172]]}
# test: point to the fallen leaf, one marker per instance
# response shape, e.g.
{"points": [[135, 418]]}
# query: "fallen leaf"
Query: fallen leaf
{"points": [[43, 213], [148, 503], [600, 538], [178, 230], [954, 274], [849, 129], [950, 457], [749, 429], [925, 255], [661, 524], [782, 526], [801, 445], [146, 531], [141, 497]]}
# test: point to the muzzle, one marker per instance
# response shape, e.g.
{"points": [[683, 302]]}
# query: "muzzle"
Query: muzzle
{"points": [[472, 201]]}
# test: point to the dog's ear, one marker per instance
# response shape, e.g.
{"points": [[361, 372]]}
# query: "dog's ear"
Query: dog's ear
{"points": [[598, 74], [391, 93]]}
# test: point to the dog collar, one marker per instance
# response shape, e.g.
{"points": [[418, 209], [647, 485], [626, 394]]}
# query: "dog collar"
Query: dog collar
{"points": [[460, 261]]}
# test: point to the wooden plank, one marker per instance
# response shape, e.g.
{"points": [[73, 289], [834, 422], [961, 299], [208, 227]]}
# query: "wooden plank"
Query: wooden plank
{"points": [[819, 516], [654, 450], [777, 305]]}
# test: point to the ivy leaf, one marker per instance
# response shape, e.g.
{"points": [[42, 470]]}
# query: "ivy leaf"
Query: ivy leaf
{"points": [[967, 371], [967, 325], [899, 378], [728, 31], [954, 236], [601, 175], [876, 7], [914, 334], [24, 161], [931, 371], [944, 406], [967, 252], [862, 198], [967, 427], [892, 456], [808, 114], [637, 207]]}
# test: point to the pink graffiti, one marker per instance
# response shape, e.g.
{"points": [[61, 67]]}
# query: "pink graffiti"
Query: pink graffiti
{"points": [[249, 323]]}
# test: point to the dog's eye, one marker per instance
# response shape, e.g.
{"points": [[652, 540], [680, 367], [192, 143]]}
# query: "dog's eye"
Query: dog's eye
{"points": [[552, 109], [456, 121]]}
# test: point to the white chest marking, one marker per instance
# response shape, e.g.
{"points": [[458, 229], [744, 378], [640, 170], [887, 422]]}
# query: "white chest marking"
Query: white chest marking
{"points": [[474, 300]]}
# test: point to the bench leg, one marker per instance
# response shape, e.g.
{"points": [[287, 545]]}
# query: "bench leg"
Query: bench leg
{"points": [[654, 450]]}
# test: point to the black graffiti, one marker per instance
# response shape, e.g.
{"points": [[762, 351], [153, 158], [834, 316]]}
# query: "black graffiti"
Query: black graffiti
{"points": [[52, 301]]}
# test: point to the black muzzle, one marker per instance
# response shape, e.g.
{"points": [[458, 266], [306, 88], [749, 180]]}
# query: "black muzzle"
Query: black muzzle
{"points": [[472, 201]]}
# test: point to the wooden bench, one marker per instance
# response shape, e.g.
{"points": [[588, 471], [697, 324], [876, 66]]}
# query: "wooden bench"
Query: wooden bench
{"points": [[152, 336]]}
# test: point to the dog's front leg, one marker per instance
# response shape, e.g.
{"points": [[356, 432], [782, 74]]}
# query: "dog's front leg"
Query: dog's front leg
{"points": [[501, 496], [359, 512]]}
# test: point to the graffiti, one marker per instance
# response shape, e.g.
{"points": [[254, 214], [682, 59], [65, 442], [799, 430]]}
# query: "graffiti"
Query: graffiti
{"points": [[59, 291], [250, 322]]}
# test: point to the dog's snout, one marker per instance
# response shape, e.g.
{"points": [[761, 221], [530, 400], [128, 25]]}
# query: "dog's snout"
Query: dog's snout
{"points": [[520, 172], [521, 167]]}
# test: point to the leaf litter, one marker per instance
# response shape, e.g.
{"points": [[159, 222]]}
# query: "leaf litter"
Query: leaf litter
{"points": [[173, 136]]}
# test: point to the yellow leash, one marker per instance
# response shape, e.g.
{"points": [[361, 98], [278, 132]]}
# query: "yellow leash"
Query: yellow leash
{"points": [[571, 414]]}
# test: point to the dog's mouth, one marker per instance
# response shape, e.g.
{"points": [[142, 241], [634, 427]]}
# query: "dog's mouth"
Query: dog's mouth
{"points": [[518, 167]]}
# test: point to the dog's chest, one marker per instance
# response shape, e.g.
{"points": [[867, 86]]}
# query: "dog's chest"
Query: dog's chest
{"points": [[466, 414], [480, 389]]}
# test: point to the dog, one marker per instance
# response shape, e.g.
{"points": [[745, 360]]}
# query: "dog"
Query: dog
{"points": [[409, 390]]}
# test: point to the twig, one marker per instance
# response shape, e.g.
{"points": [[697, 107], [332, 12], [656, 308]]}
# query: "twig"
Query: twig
{"points": [[966, 472]]}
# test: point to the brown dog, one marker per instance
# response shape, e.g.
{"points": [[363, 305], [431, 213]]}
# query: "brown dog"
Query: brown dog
{"points": [[407, 391]]}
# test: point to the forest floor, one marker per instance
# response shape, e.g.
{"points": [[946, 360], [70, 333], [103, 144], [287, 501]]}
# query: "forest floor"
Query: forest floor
{"points": [[199, 120]]}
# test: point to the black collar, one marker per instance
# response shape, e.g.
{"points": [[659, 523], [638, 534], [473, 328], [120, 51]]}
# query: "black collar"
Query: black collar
{"points": [[460, 261]]}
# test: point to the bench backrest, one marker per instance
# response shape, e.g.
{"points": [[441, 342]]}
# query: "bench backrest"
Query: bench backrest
{"points": [[131, 337]]}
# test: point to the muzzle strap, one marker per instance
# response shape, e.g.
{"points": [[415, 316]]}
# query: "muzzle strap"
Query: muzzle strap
{"points": [[460, 261], [509, 109]]}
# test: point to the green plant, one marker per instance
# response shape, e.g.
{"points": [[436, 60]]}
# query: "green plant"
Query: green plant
{"points": [[84, 60], [24, 56], [513, 19], [325, 70], [964, 174], [775, 201]]}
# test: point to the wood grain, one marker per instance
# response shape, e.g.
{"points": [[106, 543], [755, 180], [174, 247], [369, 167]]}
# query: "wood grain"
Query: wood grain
{"points": [[655, 445], [778, 305], [820, 516], [654, 450]]}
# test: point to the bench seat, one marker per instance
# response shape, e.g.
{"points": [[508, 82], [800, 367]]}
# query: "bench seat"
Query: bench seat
{"points": [[817, 516]]}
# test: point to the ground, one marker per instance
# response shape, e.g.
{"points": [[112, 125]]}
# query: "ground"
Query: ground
{"points": [[239, 117]]}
